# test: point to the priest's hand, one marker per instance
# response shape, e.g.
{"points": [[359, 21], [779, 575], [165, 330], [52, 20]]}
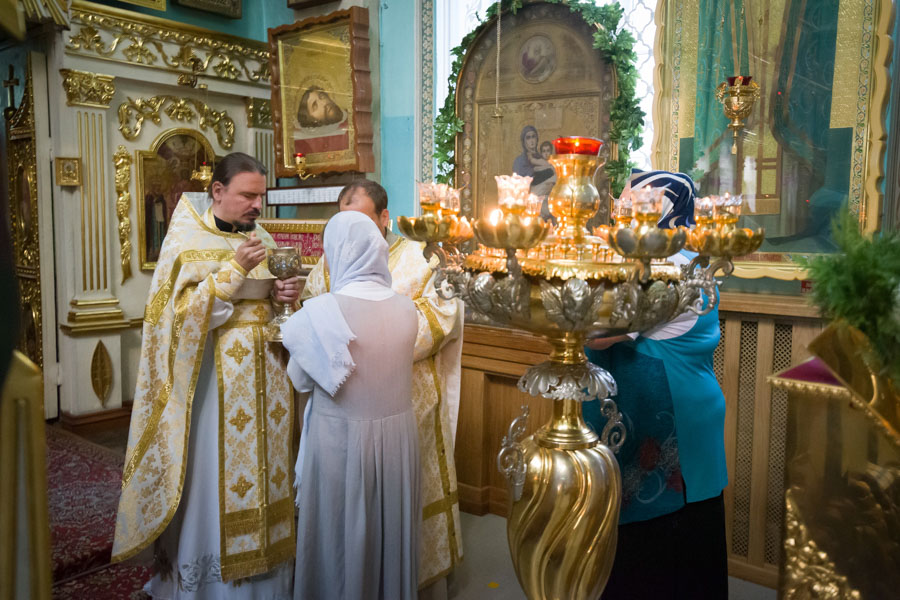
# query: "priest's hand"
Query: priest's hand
{"points": [[250, 253], [287, 290]]}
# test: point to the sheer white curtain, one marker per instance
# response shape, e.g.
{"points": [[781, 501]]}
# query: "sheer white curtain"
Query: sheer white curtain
{"points": [[455, 18]]}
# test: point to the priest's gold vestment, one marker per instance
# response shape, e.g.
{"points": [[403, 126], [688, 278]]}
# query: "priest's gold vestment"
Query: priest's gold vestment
{"points": [[436, 374], [256, 525]]}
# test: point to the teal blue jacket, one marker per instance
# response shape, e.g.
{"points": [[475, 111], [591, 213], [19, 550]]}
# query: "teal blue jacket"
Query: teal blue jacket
{"points": [[674, 413]]}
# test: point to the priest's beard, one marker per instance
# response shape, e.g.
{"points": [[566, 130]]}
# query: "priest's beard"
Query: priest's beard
{"points": [[244, 227]]}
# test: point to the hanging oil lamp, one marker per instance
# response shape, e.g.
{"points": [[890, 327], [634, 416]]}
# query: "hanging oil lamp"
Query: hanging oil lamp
{"points": [[737, 96]]}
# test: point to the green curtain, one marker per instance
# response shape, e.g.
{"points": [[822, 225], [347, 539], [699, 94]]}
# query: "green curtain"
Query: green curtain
{"points": [[715, 63], [802, 103]]}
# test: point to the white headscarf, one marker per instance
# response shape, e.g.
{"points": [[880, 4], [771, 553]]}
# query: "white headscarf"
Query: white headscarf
{"points": [[317, 336]]}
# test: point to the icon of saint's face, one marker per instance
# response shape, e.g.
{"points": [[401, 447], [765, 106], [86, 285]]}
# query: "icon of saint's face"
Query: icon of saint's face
{"points": [[316, 108]]}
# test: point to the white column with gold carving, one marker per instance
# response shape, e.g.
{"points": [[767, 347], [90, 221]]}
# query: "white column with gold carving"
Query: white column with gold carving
{"points": [[259, 123], [94, 256]]}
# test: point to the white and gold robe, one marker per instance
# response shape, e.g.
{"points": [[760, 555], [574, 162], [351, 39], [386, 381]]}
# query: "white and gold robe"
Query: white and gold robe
{"points": [[436, 375], [204, 329]]}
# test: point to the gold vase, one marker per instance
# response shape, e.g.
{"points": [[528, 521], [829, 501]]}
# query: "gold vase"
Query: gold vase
{"points": [[574, 199], [563, 520]]}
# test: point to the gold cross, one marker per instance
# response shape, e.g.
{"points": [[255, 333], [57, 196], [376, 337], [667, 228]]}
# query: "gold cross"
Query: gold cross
{"points": [[278, 413], [10, 85], [241, 486], [240, 420], [237, 352], [278, 477], [261, 313]]}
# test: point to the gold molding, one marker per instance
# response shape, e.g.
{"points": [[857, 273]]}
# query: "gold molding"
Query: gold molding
{"points": [[122, 161], [821, 390], [178, 109], [101, 373], [93, 321], [870, 213], [123, 36], [88, 89], [259, 113], [93, 303], [40, 11], [154, 4], [68, 171]]}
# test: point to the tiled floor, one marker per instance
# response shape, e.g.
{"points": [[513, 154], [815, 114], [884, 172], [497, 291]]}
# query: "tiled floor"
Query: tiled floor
{"points": [[487, 572]]}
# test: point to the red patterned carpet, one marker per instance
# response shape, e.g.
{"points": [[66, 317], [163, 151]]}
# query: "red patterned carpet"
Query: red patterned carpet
{"points": [[84, 482]]}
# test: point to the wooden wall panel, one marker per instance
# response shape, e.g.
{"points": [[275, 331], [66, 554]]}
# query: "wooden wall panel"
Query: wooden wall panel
{"points": [[759, 336]]}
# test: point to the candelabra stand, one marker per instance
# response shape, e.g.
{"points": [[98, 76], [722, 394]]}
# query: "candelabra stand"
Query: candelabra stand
{"points": [[569, 286]]}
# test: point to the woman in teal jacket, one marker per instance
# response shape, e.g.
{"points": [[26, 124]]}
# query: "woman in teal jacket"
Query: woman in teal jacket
{"points": [[671, 541]]}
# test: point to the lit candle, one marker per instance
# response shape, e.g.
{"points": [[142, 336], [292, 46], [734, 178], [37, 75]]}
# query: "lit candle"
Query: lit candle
{"points": [[727, 208], [648, 202], [703, 210], [533, 205]]}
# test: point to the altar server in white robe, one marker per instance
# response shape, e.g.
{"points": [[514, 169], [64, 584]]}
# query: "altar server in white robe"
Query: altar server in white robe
{"points": [[207, 478], [358, 469], [436, 382]]}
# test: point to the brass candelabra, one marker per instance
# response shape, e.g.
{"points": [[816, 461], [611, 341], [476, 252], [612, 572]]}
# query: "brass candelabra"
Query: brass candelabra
{"points": [[567, 285]]}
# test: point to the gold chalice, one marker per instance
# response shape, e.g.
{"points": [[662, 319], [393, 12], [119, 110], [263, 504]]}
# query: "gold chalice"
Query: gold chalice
{"points": [[284, 263]]}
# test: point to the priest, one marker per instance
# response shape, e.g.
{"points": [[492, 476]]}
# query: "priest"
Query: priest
{"points": [[436, 375], [207, 479]]}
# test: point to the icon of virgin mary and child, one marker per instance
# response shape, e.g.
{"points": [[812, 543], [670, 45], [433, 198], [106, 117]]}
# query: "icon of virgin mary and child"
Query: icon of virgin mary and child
{"points": [[534, 162]]}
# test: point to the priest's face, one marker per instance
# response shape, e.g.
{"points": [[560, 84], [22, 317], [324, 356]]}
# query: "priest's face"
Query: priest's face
{"points": [[359, 201], [240, 202]]}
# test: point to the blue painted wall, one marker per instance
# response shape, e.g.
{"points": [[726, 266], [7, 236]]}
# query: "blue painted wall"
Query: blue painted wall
{"points": [[258, 15], [397, 24]]}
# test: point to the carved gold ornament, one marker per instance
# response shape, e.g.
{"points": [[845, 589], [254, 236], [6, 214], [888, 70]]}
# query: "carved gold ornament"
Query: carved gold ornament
{"points": [[259, 113], [118, 35], [808, 571], [101, 373], [87, 89], [122, 161], [178, 109]]}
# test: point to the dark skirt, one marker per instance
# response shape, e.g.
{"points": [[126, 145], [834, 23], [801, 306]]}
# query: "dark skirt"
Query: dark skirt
{"points": [[681, 555]]}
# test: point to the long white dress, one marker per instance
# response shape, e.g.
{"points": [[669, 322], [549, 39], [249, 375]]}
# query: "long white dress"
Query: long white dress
{"points": [[187, 553], [359, 499]]}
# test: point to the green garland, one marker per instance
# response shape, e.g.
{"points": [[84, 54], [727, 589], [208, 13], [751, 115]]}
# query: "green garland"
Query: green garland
{"points": [[615, 45]]}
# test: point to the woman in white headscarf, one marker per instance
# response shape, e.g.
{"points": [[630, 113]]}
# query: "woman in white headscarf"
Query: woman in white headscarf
{"points": [[358, 469]]}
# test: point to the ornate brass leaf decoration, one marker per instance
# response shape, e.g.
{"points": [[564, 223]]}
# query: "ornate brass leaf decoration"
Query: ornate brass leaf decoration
{"points": [[101, 373]]}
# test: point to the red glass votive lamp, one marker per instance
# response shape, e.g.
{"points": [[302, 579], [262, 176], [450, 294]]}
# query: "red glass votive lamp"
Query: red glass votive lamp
{"points": [[578, 145], [744, 80]]}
